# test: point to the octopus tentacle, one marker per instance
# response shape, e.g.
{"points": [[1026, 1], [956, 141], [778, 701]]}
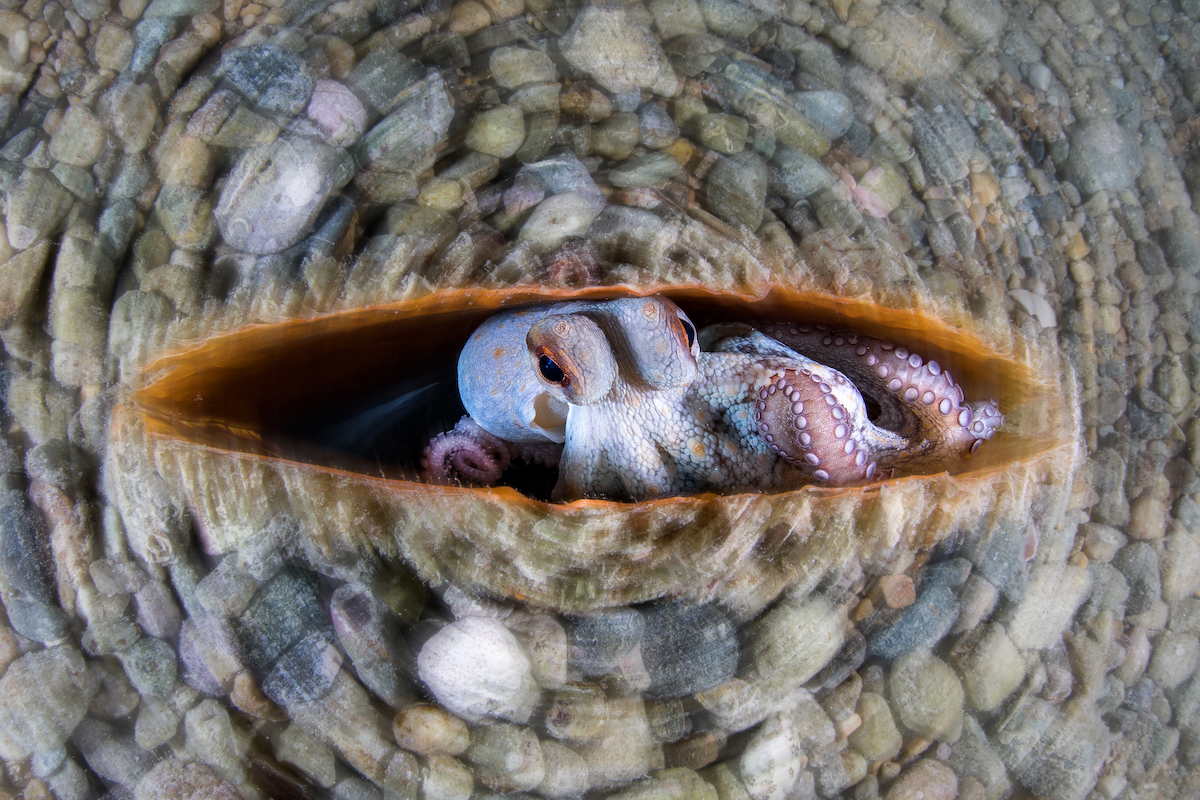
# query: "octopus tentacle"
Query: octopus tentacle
{"points": [[468, 453], [918, 399], [813, 426]]}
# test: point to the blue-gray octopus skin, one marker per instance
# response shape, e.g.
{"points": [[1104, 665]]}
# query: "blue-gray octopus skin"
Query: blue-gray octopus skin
{"points": [[644, 406]]}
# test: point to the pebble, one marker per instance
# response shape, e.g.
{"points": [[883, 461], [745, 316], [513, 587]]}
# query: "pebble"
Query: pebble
{"points": [[556, 218], [566, 773], [926, 779], [618, 51], [80, 139], [269, 76], [151, 666], [1055, 592], [35, 206], [211, 738], [577, 712], [498, 132], [276, 191], [1101, 542], [1138, 562], [545, 642], [922, 624], [724, 133], [284, 611], [687, 649], [795, 176], [305, 672], [789, 644], [676, 17], [210, 652], [652, 169], [990, 666], [831, 113], [370, 634], [477, 670], [430, 730], [227, 590], [656, 128], [312, 757], [877, 737], [173, 779], [1103, 157], [404, 141], [927, 696], [111, 753], [623, 750], [737, 189], [1180, 564], [1174, 660], [726, 18], [337, 113], [898, 590], [43, 697], [507, 758], [772, 761], [513, 67], [157, 612]]}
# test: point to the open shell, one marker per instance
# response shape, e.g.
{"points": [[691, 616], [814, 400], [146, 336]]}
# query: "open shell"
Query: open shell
{"points": [[201, 417]]}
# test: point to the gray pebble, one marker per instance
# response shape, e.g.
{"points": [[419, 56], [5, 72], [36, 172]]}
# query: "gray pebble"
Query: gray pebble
{"points": [[687, 649], [737, 189], [830, 112], [269, 76], [305, 672], [275, 192], [112, 754], [150, 665], [600, 640], [1139, 563], [282, 613], [43, 696], [1103, 156], [371, 636]]}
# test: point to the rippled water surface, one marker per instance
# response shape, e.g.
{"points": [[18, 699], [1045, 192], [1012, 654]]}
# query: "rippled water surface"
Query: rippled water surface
{"points": [[244, 243]]}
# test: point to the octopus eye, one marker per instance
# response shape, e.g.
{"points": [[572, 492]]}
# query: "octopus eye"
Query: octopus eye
{"points": [[690, 330], [551, 371]]}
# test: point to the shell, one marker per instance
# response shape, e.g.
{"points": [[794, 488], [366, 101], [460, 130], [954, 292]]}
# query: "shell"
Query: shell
{"points": [[201, 418]]}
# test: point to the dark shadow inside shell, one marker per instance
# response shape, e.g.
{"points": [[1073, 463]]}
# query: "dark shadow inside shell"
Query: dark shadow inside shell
{"points": [[362, 391]]}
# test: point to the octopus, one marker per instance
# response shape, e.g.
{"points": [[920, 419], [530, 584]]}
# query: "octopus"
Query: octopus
{"points": [[644, 405]]}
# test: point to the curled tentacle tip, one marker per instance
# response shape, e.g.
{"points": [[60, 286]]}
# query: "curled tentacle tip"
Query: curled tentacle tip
{"points": [[466, 453]]}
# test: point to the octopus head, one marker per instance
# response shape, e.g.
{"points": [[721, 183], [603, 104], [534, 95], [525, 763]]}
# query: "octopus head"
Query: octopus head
{"points": [[521, 371]]}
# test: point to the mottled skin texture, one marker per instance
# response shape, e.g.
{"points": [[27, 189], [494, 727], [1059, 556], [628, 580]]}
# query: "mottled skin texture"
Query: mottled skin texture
{"points": [[642, 411]]}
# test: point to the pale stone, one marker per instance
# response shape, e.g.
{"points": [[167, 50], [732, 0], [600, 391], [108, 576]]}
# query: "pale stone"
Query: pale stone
{"points": [[927, 696], [476, 669]]}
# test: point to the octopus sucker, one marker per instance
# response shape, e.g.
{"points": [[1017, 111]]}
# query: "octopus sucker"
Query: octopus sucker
{"points": [[209, 424]]}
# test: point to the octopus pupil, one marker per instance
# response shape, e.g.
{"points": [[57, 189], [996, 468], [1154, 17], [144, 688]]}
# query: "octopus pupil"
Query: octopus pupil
{"points": [[550, 371], [690, 330]]}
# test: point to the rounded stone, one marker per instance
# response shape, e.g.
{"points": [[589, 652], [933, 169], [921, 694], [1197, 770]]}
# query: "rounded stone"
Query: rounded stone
{"points": [[1103, 156], [1174, 659], [498, 132], [43, 696], [991, 667], [927, 779], [476, 669], [687, 649], [877, 738], [556, 218], [429, 730], [927, 696], [513, 67]]}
